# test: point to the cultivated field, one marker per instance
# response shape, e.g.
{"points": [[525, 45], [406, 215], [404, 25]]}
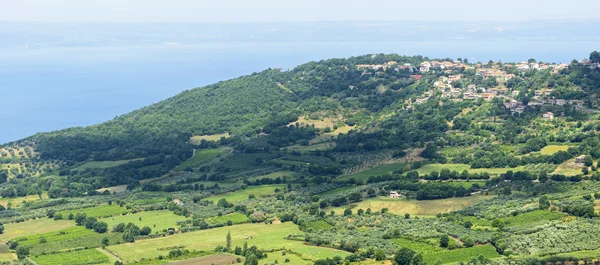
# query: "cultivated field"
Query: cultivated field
{"points": [[82, 257], [379, 170], [461, 254], [569, 168], [213, 137], [221, 259], [201, 157], [551, 149], [102, 164], [241, 195], [38, 226], [98, 212], [417, 208], [426, 169], [263, 236], [156, 220], [15, 202]]}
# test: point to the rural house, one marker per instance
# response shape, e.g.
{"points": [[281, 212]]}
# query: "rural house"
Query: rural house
{"points": [[548, 116], [580, 159], [394, 195]]}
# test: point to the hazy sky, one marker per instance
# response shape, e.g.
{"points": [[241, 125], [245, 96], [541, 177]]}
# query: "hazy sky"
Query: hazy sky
{"points": [[293, 10]]}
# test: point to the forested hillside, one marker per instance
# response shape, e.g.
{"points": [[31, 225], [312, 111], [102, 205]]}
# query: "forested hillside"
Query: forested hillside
{"points": [[378, 157]]}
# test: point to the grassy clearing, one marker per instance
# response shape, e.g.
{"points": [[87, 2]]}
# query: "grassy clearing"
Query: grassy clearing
{"points": [[318, 225], [461, 254], [89, 241], [417, 208], [98, 211], [337, 191], [280, 259], [7, 257], [201, 157], [304, 148], [569, 168], [38, 226], [379, 170], [417, 246], [241, 161], [426, 169], [220, 259], [102, 164], [156, 220], [213, 137], [117, 189], [235, 218], [82, 257], [331, 135], [551, 149], [532, 217], [263, 236], [274, 175], [241, 195], [15, 202], [56, 236]]}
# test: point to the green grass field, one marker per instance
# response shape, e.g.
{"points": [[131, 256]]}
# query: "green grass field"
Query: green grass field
{"points": [[303, 148], [569, 168], [417, 246], [16, 202], [156, 220], [82, 257], [263, 236], [201, 157], [379, 170], [38, 226], [426, 169], [102, 164], [241, 195], [532, 217], [235, 218], [417, 208], [461, 254], [337, 191], [213, 137], [64, 244], [280, 258], [274, 175], [7, 257], [551, 149], [61, 235], [98, 212]]}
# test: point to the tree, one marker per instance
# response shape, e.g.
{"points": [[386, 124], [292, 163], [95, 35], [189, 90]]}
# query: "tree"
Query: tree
{"points": [[347, 212], [80, 218], [89, 222], [228, 240], [404, 256], [595, 57], [544, 203], [444, 241], [468, 224], [1, 228], [105, 241], [100, 227], [468, 242], [379, 254], [146, 230], [22, 252], [251, 260]]}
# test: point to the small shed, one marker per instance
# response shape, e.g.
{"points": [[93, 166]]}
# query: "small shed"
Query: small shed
{"points": [[580, 159]]}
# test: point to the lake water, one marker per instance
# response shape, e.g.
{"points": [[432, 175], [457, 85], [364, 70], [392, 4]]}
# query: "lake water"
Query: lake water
{"points": [[50, 89]]}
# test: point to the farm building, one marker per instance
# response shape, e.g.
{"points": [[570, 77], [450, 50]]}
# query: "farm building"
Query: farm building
{"points": [[548, 116], [394, 195], [580, 159]]}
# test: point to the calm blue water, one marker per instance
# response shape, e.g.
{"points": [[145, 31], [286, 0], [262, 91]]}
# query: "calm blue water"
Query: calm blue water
{"points": [[50, 89]]}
